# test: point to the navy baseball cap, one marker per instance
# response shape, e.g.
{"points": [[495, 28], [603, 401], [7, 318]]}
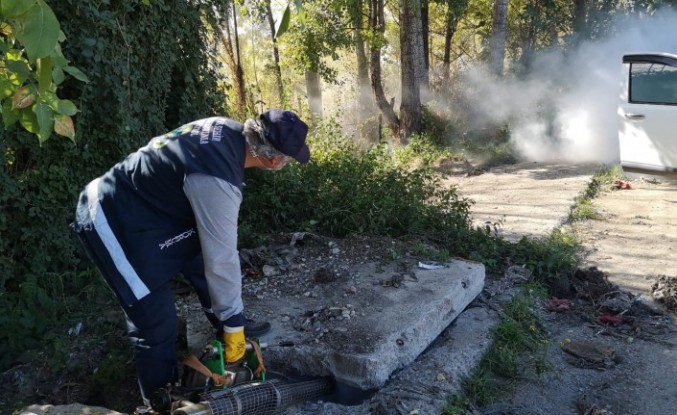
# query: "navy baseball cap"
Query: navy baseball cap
{"points": [[287, 133]]}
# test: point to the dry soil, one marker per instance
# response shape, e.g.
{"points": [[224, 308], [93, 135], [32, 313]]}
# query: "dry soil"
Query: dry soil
{"points": [[632, 239]]}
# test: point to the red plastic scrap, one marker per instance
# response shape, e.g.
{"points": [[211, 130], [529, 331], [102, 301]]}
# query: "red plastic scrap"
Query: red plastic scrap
{"points": [[609, 319], [558, 305], [622, 184]]}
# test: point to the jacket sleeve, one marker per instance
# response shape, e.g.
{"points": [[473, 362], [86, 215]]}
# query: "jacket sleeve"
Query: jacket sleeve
{"points": [[216, 205]]}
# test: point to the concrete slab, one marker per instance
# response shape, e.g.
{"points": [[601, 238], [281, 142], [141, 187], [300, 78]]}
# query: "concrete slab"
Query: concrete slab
{"points": [[363, 329]]}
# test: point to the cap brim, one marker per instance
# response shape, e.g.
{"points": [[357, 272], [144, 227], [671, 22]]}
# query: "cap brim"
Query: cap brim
{"points": [[303, 156]]}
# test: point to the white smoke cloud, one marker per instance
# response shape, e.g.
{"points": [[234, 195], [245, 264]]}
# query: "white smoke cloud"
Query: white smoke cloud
{"points": [[565, 109]]}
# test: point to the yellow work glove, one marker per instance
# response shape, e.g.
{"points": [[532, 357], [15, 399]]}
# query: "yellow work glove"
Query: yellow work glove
{"points": [[233, 343]]}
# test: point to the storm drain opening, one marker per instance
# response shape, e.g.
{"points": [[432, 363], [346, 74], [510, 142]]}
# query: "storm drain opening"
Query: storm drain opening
{"points": [[347, 395]]}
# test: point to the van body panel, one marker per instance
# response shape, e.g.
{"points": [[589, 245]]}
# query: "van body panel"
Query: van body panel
{"points": [[647, 113]]}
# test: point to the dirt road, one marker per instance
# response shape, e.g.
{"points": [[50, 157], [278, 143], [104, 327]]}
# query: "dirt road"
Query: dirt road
{"points": [[634, 234], [632, 238], [526, 199]]}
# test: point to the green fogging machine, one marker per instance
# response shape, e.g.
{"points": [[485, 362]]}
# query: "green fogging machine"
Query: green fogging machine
{"points": [[209, 386]]}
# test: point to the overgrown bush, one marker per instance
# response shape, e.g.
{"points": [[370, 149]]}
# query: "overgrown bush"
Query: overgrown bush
{"points": [[343, 191], [147, 74]]}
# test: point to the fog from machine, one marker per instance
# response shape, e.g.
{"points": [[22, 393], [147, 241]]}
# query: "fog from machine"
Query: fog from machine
{"points": [[565, 108]]}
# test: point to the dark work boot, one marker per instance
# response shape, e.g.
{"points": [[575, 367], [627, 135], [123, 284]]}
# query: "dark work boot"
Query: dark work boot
{"points": [[253, 328]]}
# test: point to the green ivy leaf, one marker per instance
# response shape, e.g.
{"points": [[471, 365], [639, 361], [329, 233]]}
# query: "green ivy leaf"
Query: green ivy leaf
{"points": [[15, 8], [57, 57], [29, 120], [63, 125], [284, 23], [19, 67], [7, 89], [6, 29], [76, 73], [9, 115], [40, 32], [45, 120], [24, 97], [15, 55], [66, 107], [57, 75]]}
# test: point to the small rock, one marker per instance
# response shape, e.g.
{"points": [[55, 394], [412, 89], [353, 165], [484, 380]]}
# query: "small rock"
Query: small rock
{"points": [[270, 271]]}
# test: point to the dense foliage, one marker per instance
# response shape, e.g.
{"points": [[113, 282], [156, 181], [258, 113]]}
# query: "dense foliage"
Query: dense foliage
{"points": [[343, 191], [32, 67], [147, 74]]}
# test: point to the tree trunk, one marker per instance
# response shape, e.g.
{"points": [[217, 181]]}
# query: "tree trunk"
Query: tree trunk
{"points": [[425, 32], [365, 103], [377, 27], [455, 9], [232, 60], [411, 56], [276, 55], [527, 37], [239, 72], [498, 36], [579, 21], [314, 91]]}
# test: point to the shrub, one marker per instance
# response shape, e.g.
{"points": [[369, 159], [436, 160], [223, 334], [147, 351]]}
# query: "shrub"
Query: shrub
{"points": [[343, 191]]}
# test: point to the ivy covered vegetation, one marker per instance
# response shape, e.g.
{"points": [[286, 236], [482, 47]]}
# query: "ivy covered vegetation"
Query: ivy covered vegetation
{"points": [[146, 74]]}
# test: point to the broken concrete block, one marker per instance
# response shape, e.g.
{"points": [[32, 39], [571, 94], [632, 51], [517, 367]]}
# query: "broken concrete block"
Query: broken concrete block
{"points": [[363, 337]]}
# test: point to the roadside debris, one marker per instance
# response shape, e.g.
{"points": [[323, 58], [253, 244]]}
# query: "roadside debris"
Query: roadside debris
{"points": [[558, 305], [606, 318], [591, 354], [517, 274], [615, 312], [622, 184], [430, 265], [664, 291], [591, 284], [75, 330]]}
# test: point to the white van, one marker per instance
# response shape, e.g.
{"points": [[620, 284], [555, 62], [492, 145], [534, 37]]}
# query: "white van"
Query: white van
{"points": [[648, 114]]}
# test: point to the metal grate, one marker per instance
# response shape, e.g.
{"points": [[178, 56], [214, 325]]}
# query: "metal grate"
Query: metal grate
{"points": [[265, 398]]}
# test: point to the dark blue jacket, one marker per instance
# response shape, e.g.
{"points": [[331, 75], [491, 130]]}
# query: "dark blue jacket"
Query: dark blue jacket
{"points": [[144, 202]]}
